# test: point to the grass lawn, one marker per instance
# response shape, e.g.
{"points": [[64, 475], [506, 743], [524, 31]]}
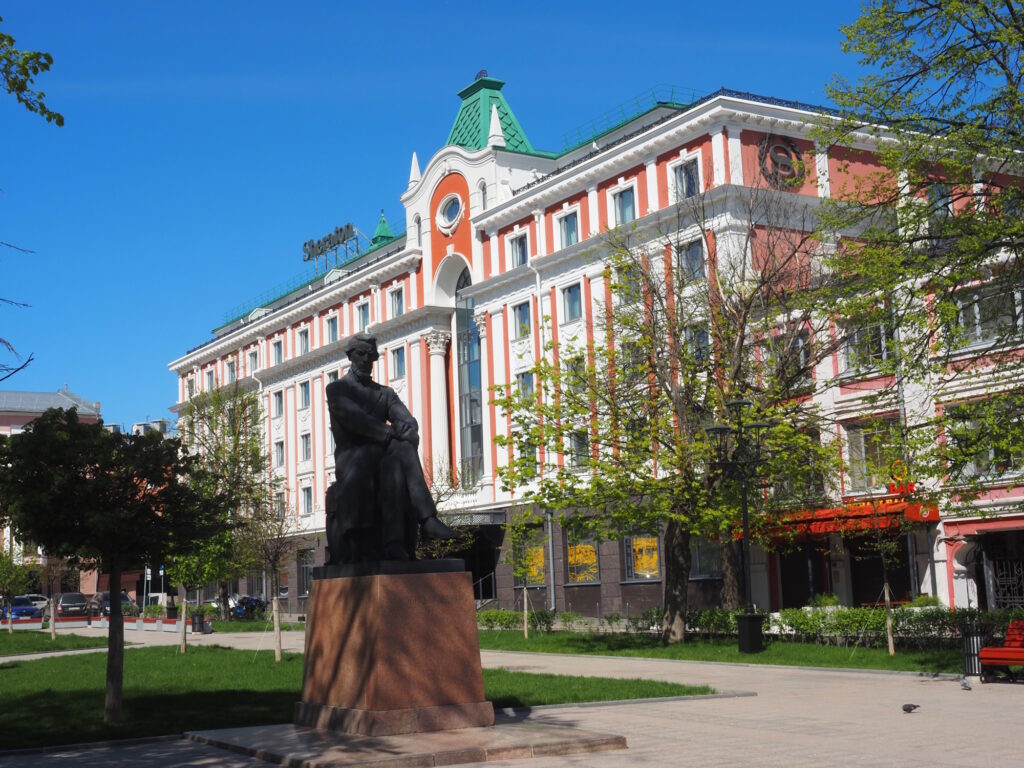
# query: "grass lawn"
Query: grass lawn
{"points": [[797, 654], [60, 700], [31, 641], [238, 625]]}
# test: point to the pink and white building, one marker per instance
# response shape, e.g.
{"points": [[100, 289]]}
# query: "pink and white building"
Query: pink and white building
{"points": [[503, 256]]}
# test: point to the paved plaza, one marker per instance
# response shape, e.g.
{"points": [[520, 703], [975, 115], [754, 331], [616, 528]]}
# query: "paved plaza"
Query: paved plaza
{"points": [[796, 717]]}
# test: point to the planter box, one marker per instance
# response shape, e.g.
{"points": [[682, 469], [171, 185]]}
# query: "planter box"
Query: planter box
{"points": [[71, 622], [151, 625], [170, 625]]}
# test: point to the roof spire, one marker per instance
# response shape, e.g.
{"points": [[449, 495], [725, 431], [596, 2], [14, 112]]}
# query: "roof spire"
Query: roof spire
{"points": [[495, 137], [383, 232], [414, 171]]}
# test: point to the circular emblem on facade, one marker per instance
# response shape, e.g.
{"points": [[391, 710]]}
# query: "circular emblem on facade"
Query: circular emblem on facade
{"points": [[781, 163], [449, 213]]}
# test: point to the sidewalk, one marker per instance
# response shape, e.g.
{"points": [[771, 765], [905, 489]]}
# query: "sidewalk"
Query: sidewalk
{"points": [[799, 717]]}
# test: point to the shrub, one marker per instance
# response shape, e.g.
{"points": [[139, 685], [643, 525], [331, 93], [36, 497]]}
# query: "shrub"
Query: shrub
{"points": [[153, 611], [925, 601], [542, 620], [496, 618], [569, 619], [824, 600], [612, 620]]}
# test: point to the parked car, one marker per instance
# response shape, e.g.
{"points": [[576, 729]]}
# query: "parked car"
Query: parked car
{"points": [[100, 603], [68, 604], [39, 601], [22, 608]]}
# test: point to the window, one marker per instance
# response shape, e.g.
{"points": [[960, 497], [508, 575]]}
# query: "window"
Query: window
{"points": [[418, 222], [483, 195], [788, 357], [306, 444], [279, 453], [231, 372], [278, 351], [332, 376], [303, 394], [332, 329], [304, 341], [568, 228], [190, 387], [518, 250], [872, 449], [209, 381], [398, 363], [363, 316], [705, 558], [986, 440], [940, 206], [868, 347], [687, 180], [574, 375], [623, 203], [698, 343], [582, 563], [803, 482], [449, 214], [989, 314], [521, 320], [572, 305], [642, 558], [397, 302], [579, 448], [691, 261], [307, 501], [524, 384], [254, 362], [279, 507], [304, 565], [526, 455], [529, 566], [629, 283], [278, 400]]}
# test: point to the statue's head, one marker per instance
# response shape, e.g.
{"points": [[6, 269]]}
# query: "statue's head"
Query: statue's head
{"points": [[362, 351], [363, 342]]}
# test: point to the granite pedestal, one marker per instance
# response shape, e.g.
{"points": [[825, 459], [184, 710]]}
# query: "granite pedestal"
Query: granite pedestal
{"points": [[390, 651]]}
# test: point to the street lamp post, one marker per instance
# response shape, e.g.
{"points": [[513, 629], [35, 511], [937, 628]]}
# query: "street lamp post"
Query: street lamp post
{"points": [[739, 460]]}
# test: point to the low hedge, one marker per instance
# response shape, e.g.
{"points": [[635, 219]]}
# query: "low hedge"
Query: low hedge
{"points": [[927, 627]]}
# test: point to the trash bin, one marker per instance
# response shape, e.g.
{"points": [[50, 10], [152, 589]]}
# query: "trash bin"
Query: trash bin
{"points": [[198, 621], [974, 641], [172, 612]]}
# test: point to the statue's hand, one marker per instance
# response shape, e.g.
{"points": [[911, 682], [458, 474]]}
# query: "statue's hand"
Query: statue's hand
{"points": [[402, 430]]}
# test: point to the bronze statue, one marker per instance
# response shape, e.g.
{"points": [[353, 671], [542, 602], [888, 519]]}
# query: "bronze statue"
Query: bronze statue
{"points": [[379, 501]]}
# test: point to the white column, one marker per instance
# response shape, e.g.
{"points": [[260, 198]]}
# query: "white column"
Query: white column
{"points": [[437, 345], [735, 155], [651, 173], [538, 221], [595, 224], [718, 156], [821, 166]]}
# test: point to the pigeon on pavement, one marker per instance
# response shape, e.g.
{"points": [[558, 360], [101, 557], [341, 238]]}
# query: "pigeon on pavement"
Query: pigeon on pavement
{"points": [[910, 707]]}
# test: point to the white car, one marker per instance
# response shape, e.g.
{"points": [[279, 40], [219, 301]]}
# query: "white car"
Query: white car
{"points": [[39, 601]]}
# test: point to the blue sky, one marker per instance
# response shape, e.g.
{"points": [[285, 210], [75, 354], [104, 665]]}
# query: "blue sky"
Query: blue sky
{"points": [[205, 142]]}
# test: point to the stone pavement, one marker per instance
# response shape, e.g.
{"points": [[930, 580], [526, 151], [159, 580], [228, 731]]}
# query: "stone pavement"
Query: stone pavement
{"points": [[798, 717]]}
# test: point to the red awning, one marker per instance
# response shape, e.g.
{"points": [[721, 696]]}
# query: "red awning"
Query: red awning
{"points": [[861, 516]]}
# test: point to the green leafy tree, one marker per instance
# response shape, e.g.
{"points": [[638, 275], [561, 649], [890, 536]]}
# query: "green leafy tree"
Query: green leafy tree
{"points": [[612, 435], [929, 244], [114, 499], [19, 69], [223, 429]]}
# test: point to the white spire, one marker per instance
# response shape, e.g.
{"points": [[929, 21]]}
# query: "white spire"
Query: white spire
{"points": [[495, 138], [414, 171]]}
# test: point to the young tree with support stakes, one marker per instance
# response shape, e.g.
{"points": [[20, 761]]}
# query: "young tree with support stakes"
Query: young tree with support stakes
{"points": [[714, 305], [113, 499]]}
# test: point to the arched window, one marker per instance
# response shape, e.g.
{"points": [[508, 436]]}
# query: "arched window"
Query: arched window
{"points": [[470, 387], [483, 195], [419, 231]]}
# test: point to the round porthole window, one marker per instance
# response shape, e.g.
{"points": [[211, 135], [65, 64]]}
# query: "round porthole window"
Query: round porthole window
{"points": [[449, 214]]}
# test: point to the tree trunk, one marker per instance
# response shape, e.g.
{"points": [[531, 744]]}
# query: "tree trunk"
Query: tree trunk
{"points": [[223, 600], [10, 617], [730, 598], [115, 650], [888, 617], [53, 616], [277, 628], [183, 598], [526, 622], [677, 578]]}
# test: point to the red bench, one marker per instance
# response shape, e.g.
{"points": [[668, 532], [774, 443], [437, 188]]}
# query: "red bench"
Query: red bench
{"points": [[1010, 653]]}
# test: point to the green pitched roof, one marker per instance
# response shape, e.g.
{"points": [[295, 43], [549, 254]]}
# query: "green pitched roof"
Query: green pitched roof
{"points": [[473, 123], [383, 232]]}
